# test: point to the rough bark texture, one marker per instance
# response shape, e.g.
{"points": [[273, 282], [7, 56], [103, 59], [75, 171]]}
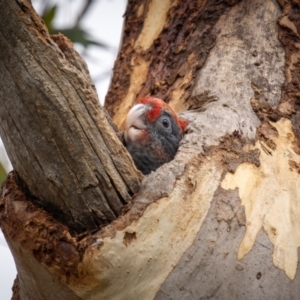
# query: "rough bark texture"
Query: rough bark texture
{"points": [[165, 43], [39, 244], [57, 135], [221, 220]]}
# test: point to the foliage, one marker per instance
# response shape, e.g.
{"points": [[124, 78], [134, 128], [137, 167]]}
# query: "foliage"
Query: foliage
{"points": [[75, 33], [2, 174]]}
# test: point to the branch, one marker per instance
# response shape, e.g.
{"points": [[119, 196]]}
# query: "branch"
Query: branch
{"points": [[57, 135]]}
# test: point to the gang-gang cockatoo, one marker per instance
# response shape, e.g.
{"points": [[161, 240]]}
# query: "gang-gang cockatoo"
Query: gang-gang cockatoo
{"points": [[152, 133]]}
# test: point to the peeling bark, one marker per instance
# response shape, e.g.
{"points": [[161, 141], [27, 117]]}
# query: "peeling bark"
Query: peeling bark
{"points": [[164, 61], [222, 219]]}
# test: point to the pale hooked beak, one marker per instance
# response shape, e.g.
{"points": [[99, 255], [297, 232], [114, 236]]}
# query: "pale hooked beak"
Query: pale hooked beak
{"points": [[134, 124]]}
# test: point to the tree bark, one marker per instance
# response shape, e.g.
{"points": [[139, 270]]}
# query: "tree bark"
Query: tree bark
{"points": [[57, 135], [221, 220]]}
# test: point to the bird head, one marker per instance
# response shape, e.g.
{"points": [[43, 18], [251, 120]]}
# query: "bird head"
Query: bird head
{"points": [[153, 131]]}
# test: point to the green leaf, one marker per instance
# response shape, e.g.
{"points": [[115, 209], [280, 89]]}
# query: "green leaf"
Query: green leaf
{"points": [[48, 15], [3, 174], [80, 36], [76, 34]]}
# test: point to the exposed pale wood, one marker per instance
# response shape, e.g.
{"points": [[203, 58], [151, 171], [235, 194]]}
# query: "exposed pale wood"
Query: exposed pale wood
{"points": [[168, 67], [56, 133], [44, 251], [197, 228]]}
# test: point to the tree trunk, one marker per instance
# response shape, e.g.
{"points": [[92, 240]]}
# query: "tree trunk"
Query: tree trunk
{"points": [[221, 220], [56, 134]]}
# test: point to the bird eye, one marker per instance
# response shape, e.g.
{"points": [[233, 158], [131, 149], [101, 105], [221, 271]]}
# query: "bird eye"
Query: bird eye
{"points": [[166, 123]]}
